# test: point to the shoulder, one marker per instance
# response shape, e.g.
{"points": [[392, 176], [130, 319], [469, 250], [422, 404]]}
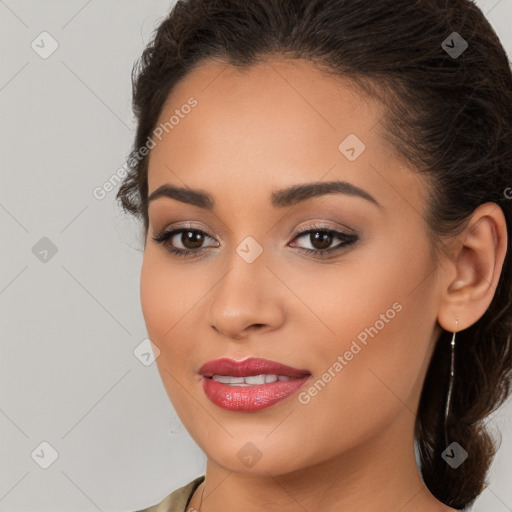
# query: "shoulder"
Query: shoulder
{"points": [[176, 501]]}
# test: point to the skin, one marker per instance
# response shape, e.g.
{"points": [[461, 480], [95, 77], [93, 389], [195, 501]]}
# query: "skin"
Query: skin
{"points": [[351, 447]]}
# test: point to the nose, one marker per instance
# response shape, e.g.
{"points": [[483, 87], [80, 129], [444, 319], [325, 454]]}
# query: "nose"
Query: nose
{"points": [[230, 332], [247, 299]]}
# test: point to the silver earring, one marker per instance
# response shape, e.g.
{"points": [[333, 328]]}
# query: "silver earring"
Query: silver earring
{"points": [[450, 385]]}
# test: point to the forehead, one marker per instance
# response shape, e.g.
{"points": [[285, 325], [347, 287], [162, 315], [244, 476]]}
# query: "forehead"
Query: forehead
{"points": [[273, 124], [292, 99]]}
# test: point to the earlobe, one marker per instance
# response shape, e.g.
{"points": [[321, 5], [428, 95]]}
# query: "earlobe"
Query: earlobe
{"points": [[477, 264]]}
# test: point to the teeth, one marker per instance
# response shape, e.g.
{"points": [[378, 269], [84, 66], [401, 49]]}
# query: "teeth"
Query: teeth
{"points": [[249, 380], [259, 379], [227, 379]]}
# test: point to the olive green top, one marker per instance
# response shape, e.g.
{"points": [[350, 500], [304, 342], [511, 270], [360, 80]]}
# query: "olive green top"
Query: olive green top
{"points": [[178, 500]]}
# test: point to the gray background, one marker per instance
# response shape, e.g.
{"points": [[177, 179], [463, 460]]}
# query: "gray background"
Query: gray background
{"points": [[71, 320]]}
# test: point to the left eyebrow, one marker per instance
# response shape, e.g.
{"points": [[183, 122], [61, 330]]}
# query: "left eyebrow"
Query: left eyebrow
{"points": [[279, 199], [298, 193]]}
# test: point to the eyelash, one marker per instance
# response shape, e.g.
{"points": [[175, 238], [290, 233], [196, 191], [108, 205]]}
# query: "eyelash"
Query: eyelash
{"points": [[347, 239]]}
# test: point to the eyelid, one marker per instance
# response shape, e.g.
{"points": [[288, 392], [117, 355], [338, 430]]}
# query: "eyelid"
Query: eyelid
{"points": [[189, 225], [292, 235], [322, 225], [341, 234], [347, 237]]}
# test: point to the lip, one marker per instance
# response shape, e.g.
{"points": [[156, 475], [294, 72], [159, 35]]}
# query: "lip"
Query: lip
{"points": [[248, 367], [250, 398]]}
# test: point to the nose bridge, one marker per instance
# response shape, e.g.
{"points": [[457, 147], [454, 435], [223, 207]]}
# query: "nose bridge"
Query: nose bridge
{"points": [[244, 282], [244, 296]]}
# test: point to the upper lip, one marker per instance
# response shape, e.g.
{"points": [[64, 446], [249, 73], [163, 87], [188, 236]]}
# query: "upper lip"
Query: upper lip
{"points": [[249, 367]]}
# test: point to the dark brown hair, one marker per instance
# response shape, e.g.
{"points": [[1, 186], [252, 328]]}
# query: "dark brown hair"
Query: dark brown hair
{"points": [[449, 117]]}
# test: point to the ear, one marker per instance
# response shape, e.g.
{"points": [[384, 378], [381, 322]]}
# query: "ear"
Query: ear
{"points": [[472, 271]]}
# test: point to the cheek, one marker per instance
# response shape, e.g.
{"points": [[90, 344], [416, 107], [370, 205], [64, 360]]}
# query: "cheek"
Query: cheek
{"points": [[166, 299], [381, 381], [156, 297], [166, 296], [382, 313]]}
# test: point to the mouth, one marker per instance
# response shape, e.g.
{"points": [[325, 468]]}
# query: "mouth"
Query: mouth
{"points": [[250, 380], [251, 384]]}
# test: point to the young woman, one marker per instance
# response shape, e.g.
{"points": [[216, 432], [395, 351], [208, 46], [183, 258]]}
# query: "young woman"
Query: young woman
{"points": [[325, 190]]}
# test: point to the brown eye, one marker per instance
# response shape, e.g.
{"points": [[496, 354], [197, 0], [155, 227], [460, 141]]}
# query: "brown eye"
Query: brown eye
{"points": [[192, 239], [321, 239]]}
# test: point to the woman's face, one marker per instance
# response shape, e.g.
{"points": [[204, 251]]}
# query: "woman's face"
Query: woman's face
{"points": [[360, 320]]}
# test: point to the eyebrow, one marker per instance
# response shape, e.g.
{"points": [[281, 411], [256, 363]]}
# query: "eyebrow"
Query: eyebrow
{"points": [[279, 199]]}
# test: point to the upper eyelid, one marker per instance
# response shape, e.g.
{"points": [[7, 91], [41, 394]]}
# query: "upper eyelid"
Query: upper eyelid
{"points": [[323, 227], [316, 224], [295, 234]]}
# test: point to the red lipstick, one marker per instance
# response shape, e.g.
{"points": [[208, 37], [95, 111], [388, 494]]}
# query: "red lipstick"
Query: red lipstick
{"points": [[251, 384]]}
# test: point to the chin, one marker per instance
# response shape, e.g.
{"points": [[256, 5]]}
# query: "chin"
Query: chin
{"points": [[255, 455]]}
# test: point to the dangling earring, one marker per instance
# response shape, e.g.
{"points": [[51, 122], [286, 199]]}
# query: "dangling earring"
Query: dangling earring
{"points": [[450, 385]]}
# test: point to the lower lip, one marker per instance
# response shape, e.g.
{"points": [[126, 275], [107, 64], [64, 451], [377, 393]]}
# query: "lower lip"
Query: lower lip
{"points": [[250, 398]]}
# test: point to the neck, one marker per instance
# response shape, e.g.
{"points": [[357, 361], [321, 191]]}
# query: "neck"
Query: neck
{"points": [[380, 474]]}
